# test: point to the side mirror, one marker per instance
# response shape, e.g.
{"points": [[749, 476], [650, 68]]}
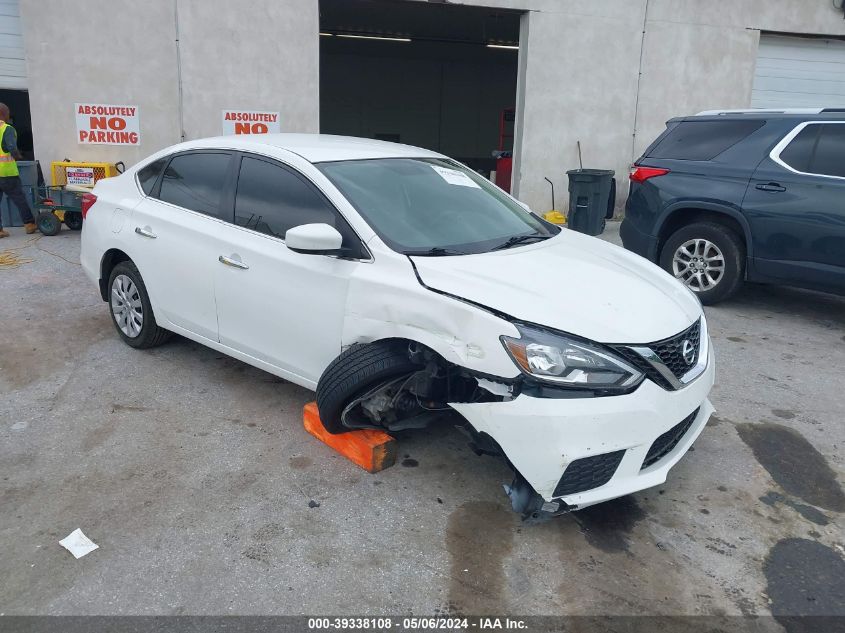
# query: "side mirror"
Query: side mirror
{"points": [[314, 239]]}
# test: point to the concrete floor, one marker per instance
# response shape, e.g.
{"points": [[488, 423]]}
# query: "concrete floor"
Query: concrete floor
{"points": [[194, 475]]}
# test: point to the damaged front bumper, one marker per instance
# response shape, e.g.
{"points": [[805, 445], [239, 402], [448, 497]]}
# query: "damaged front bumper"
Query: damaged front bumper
{"points": [[577, 452]]}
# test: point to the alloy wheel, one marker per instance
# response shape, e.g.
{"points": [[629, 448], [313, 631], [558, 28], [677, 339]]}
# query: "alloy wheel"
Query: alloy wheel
{"points": [[126, 306], [699, 263]]}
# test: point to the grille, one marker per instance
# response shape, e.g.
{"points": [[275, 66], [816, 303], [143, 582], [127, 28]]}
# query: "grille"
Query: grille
{"points": [[664, 444], [646, 367], [588, 473], [670, 351]]}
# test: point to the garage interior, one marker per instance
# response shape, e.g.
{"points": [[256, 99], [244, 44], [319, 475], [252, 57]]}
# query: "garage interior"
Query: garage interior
{"points": [[435, 75]]}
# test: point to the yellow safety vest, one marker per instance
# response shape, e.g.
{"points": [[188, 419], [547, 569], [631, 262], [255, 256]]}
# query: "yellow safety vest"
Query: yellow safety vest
{"points": [[8, 166]]}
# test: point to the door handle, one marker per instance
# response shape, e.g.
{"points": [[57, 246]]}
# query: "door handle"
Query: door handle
{"points": [[145, 232], [234, 263], [771, 186]]}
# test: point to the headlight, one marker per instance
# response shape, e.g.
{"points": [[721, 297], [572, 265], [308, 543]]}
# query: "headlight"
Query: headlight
{"points": [[569, 362]]}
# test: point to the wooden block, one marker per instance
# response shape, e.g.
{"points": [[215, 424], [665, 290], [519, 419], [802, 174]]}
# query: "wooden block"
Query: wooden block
{"points": [[371, 450]]}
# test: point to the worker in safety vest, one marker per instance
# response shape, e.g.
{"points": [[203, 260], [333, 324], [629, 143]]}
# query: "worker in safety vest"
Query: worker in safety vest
{"points": [[10, 181]]}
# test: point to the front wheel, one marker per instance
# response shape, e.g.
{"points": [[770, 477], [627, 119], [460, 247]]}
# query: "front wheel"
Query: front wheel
{"points": [[131, 312], [354, 373], [708, 258]]}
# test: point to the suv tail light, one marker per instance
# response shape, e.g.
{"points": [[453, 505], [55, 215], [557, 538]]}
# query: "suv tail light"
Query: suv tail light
{"points": [[88, 200], [641, 174]]}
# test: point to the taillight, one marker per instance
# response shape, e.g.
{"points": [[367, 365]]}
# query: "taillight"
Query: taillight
{"points": [[641, 174], [88, 200]]}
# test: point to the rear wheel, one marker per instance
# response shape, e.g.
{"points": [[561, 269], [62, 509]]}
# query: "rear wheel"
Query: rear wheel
{"points": [[73, 220], [356, 371], [708, 258], [131, 311]]}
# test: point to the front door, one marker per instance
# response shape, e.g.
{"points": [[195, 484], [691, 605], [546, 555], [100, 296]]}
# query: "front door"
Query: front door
{"points": [[794, 204], [280, 307]]}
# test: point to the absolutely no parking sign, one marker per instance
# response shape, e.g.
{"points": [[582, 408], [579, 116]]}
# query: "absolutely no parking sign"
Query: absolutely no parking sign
{"points": [[103, 124]]}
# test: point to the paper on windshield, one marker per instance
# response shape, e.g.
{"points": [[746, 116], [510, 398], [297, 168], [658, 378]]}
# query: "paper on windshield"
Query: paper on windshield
{"points": [[455, 177]]}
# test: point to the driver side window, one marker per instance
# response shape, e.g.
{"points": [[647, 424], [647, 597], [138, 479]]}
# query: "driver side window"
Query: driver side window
{"points": [[271, 199]]}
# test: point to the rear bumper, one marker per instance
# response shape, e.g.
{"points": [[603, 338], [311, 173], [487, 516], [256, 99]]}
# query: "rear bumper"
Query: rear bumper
{"points": [[638, 242], [542, 436]]}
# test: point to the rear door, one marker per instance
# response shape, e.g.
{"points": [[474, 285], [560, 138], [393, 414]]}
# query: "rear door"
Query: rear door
{"points": [[795, 205], [283, 308], [176, 230]]}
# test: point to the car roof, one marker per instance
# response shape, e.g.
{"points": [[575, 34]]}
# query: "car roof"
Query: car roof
{"points": [[315, 148], [807, 114]]}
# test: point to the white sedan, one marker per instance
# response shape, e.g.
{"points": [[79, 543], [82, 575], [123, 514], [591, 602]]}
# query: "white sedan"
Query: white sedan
{"points": [[399, 284]]}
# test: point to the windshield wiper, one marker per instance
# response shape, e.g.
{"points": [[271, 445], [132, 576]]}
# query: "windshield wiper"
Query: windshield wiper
{"points": [[519, 239], [435, 252]]}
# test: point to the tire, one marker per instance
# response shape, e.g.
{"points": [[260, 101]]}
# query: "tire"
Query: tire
{"points": [[143, 332], [73, 220], [359, 368], [48, 223], [724, 245]]}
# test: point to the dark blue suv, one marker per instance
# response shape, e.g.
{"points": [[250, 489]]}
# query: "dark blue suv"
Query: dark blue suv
{"points": [[722, 197]]}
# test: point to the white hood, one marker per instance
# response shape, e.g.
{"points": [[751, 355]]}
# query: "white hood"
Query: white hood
{"points": [[573, 283]]}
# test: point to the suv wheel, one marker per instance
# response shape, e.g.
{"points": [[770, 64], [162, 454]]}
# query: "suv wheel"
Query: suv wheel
{"points": [[131, 311], [708, 258]]}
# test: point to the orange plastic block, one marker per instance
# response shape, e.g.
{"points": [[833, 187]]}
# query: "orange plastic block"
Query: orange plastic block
{"points": [[371, 450]]}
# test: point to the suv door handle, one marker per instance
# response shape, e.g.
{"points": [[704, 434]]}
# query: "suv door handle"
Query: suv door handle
{"points": [[771, 186], [235, 263], [145, 232]]}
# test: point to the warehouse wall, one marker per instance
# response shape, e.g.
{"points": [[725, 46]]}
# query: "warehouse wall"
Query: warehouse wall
{"points": [[262, 55], [263, 59], [123, 55]]}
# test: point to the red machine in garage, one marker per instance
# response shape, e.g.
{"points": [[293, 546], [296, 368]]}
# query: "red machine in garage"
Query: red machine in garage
{"points": [[504, 155]]}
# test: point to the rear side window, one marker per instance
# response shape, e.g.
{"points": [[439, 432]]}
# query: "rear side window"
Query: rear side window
{"points": [[817, 149], [829, 158], [196, 181], [799, 153], [271, 199], [148, 175], [703, 140]]}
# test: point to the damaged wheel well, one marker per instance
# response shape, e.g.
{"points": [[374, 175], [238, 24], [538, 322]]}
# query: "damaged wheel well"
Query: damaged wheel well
{"points": [[396, 383]]}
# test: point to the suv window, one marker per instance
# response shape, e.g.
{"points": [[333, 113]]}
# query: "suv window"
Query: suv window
{"points": [[829, 158], [148, 175], [703, 140], [799, 153], [271, 199], [817, 149], [196, 181]]}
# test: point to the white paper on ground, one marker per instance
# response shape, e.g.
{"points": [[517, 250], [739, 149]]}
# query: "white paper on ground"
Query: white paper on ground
{"points": [[78, 544], [455, 177]]}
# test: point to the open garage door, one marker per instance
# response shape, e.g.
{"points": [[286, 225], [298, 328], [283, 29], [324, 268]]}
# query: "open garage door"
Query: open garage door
{"points": [[798, 72], [439, 76]]}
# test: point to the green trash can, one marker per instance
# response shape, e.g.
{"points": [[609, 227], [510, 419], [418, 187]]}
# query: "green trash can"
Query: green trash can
{"points": [[589, 193]]}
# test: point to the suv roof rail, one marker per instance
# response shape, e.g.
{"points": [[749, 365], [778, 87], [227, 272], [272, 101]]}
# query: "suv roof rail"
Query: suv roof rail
{"points": [[770, 111]]}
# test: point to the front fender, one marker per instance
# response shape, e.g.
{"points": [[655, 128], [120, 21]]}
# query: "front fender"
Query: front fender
{"points": [[391, 303]]}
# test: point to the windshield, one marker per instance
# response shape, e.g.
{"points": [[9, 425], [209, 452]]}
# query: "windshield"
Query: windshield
{"points": [[430, 206]]}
